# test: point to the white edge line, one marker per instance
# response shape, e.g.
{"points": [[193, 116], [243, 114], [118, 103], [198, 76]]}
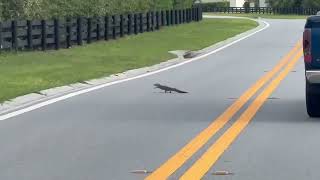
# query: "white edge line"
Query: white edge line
{"points": [[54, 100]]}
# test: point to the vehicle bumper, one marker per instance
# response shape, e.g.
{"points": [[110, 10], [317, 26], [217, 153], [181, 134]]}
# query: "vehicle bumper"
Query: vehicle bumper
{"points": [[313, 77]]}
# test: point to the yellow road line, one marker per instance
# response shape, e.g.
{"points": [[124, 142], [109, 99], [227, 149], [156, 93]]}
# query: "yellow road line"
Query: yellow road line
{"points": [[209, 158], [177, 160]]}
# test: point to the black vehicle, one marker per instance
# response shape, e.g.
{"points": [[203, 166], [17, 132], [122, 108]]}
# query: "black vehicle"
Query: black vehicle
{"points": [[311, 47]]}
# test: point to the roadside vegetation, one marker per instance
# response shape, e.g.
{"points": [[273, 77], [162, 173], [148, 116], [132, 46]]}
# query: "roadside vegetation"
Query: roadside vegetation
{"points": [[294, 3], [272, 3], [256, 15], [28, 72], [45, 9]]}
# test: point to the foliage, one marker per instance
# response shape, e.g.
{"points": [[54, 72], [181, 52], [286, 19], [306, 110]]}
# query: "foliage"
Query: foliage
{"points": [[180, 4], [311, 3], [286, 3], [35, 9], [207, 6]]}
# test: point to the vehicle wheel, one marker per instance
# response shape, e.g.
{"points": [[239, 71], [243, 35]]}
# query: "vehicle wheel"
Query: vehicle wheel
{"points": [[313, 100]]}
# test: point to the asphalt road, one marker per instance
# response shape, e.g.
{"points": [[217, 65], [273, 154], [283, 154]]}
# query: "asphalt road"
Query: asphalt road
{"points": [[108, 133]]}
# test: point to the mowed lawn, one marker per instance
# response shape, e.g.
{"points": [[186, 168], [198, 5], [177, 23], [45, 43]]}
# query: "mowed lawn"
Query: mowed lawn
{"points": [[29, 72], [257, 15]]}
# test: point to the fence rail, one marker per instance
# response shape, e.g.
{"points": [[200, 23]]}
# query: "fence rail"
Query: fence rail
{"points": [[262, 10], [31, 35]]}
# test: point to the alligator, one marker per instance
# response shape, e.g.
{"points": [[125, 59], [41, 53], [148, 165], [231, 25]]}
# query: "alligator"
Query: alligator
{"points": [[168, 89]]}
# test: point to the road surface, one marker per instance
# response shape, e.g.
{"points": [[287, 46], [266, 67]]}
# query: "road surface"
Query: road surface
{"points": [[114, 131]]}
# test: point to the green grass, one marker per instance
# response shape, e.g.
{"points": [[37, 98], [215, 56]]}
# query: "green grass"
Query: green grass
{"points": [[28, 72], [266, 16]]}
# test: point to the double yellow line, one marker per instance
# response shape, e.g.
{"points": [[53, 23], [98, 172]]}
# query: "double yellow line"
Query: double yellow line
{"points": [[208, 159]]}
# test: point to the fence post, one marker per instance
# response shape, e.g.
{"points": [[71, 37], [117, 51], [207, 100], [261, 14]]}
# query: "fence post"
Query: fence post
{"points": [[192, 14], [29, 34], [182, 16], [135, 24], [162, 18], [141, 22], [43, 35], [168, 17], [79, 31], [56, 34], [14, 35], [200, 13], [130, 24], [89, 24], [114, 28], [98, 30], [197, 14], [148, 21], [157, 20], [68, 32], [1, 41], [175, 17], [106, 27], [152, 21], [121, 26], [171, 17], [178, 17]]}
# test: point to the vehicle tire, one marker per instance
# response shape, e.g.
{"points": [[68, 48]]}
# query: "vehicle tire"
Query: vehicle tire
{"points": [[313, 99]]}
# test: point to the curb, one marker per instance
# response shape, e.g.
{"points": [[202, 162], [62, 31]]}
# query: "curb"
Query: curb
{"points": [[56, 94]]}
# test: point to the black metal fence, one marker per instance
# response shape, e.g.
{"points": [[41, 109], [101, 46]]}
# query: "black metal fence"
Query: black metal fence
{"points": [[63, 33], [262, 10]]}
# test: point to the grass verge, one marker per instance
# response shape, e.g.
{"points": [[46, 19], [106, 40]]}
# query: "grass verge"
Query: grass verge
{"points": [[256, 15], [28, 72]]}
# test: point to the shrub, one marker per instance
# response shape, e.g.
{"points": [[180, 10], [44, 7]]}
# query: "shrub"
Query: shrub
{"points": [[285, 3], [311, 3], [35, 9], [182, 4], [12, 8], [208, 6]]}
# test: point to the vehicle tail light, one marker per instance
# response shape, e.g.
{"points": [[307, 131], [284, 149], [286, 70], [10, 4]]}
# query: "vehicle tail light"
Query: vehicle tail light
{"points": [[307, 45]]}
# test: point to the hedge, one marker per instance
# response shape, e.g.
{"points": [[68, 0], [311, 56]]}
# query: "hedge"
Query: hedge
{"points": [[44, 9], [208, 6], [294, 3]]}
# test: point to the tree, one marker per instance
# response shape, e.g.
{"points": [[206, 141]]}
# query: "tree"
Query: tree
{"points": [[179, 4], [39, 9], [284, 3], [12, 8], [311, 3]]}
